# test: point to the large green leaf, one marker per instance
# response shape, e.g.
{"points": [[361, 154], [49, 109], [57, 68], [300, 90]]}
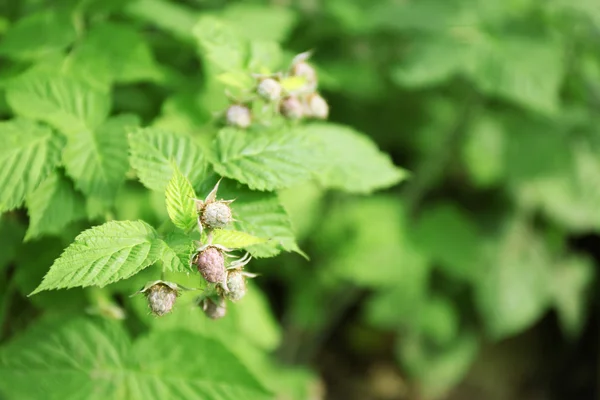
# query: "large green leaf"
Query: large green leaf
{"points": [[68, 104], [260, 22], [152, 154], [221, 44], [180, 201], [175, 18], [97, 160], [38, 35], [28, 152], [105, 254], [513, 292], [97, 360], [353, 162], [53, 205], [266, 161], [178, 252]]}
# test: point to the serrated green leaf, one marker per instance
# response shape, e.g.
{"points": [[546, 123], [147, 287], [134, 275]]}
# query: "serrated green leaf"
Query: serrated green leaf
{"points": [[69, 105], [178, 253], [353, 163], [235, 239], [97, 160], [153, 151], [260, 22], [220, 44], [28, 153], [53, 205], [37, 35], [180, 201], [97, 360], [105, 254], [266, 161]]}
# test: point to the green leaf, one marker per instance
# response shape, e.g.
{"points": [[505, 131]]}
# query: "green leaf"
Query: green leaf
{"points": [[446, 233], [38, 35], [483, 151], [69, 105], [235, 239], [220, 44], [181, 205], [28, 153], [97, 360], [53, 205], [97, 160], [513, 291], [258, 22], [570, 286], [266, 161], [104, 254], [113, 52], [172, 17], [153, 151], [353, 162], [178, 252]]}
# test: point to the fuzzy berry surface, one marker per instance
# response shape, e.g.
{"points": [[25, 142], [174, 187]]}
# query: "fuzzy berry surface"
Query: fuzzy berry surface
{"points": [[214, 308], [236, 283], [211, 264], [161, 299], [216, 215], [239, 116], [269, 89], [291, 108]]}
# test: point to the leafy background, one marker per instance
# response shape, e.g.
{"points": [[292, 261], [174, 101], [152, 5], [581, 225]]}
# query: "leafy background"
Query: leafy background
{"points": [[474, 278]]}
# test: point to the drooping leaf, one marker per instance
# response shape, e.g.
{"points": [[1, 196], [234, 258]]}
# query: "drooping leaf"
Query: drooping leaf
{"points": [[68, 104], [97, 360], [53, 205], [105, 254], [153, 151], [37, 35], [97, 160], [266, 161], [28, 153], [353, 163], [180, 201]]}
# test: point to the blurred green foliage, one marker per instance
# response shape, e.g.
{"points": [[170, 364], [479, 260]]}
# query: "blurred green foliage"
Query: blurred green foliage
{"points": [[491, 104]]}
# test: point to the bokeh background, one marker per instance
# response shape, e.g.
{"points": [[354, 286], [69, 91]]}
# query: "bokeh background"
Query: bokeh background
{"points": [[473, 279]]}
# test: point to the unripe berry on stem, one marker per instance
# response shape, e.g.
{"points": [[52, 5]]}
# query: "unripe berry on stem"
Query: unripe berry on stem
{"points": [[211, 264], [214, 308], [239, 116], [161, 296], [269, 89], [291, 108], [216, 215], [236, 284], [316, 106]]}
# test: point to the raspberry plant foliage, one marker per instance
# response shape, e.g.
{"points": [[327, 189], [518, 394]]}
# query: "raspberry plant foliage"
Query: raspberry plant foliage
{"points": [[71, 148]]}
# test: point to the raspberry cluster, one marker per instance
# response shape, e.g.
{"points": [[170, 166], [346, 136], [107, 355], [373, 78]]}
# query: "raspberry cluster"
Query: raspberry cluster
{"points": [[293, 93]]}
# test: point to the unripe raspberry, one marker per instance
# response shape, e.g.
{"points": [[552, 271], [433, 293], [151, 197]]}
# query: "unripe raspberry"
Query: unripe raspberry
{"points": [[216, 215], [291, 108], [214, 308], [316, 106], [161, 297], [236, 283], [239, 116], [269, 89], [211, 264]]}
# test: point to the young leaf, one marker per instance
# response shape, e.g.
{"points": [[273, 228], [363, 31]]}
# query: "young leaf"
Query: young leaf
{"points": [[97, 160], [152, 154], [266, 161], [105, 254], [97, 360], [178, 252], [28, 152], [53, 205], [180, 201], [69, 105], [353, 162], [235, 239]]}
